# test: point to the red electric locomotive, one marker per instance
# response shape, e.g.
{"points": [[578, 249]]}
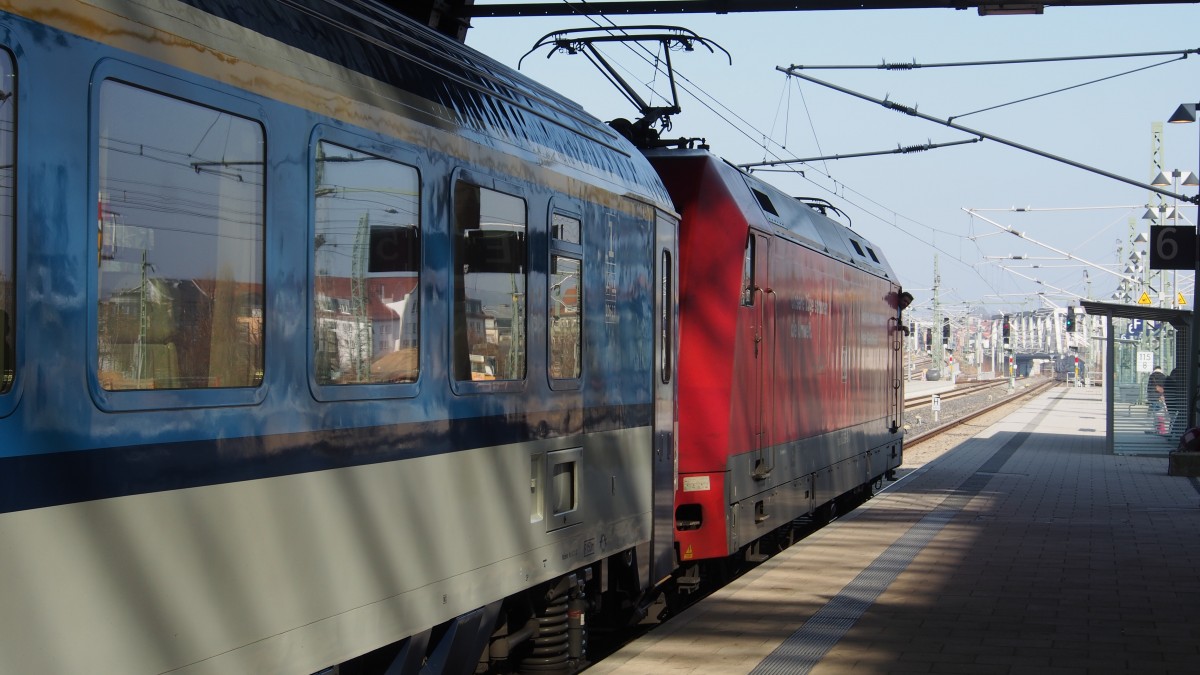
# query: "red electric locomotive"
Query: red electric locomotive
{"points": [[789, 358], [790, 388]]}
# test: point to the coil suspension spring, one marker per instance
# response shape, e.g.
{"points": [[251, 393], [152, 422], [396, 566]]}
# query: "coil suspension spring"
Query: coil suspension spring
{"points": [[560, 642]]}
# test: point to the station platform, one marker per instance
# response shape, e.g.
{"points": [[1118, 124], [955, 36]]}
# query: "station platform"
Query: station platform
{"points": [[1028, 549]]}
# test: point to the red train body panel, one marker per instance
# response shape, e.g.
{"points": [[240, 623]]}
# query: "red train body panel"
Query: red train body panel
{"points": [[789, 368]]}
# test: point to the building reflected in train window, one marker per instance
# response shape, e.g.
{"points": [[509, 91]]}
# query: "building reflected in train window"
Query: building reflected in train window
{"points": [[8, 305], [367, 257], [566, 318], [180, 244], [489, 284], [564, 313]]}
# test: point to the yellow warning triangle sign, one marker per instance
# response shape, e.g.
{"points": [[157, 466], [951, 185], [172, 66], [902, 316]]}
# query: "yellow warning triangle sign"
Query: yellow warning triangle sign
{"points": [[1181, 301], [1145, 299]]}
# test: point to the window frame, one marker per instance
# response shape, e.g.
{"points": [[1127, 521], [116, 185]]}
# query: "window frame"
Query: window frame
{"points": [[667, 309], [10, 396], [394, 152], [193, 92], [749, 279], [561, 248], [487, 182]]}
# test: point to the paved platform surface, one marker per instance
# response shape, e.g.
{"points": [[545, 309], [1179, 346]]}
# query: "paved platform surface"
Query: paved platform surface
{"points": [[1028, 549]]}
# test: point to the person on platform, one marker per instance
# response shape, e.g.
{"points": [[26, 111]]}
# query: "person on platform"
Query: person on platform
{"points": [[1156, 400], [1174, 386], [1156, 388]]}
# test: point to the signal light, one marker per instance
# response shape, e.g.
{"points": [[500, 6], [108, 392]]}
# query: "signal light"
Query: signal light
{"points": [[1007, 328], [1070, 318], [946, 329]]}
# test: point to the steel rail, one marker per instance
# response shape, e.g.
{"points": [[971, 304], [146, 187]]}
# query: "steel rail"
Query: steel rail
{"points": [[964, 389], [1019, 398]]}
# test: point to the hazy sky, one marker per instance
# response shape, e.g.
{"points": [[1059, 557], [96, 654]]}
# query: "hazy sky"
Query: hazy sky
{"points": [[911, 205]]}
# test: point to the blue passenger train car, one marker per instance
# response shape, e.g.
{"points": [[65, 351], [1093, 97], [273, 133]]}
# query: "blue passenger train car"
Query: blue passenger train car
{"points": [[331, 345], [326, 340]]}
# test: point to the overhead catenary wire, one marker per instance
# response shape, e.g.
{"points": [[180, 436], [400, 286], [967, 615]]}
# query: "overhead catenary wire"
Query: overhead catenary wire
{"points": [[1062, 89], [913, 112], [1182, 53], [902, 150], [841, 190], [1178, 54], [1066, 254], [747, 129]]}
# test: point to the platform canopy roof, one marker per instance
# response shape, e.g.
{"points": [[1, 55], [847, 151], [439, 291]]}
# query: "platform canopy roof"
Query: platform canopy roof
{"points": [[453, 17], [1179, 318]]}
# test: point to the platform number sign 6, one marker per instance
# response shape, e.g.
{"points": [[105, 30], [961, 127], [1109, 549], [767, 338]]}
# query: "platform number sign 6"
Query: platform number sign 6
{"points": [[1172, 248]]}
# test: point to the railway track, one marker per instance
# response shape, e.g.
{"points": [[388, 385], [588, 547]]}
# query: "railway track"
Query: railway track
{"points": [[959, 391], [933, 432]]}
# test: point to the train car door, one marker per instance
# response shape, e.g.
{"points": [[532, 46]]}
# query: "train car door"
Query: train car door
{"points": [[666, 343], [762, 299], [895, 370]]}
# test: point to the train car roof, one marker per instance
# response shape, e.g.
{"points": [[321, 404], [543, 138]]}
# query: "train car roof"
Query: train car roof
{"points": [[800, 220], [452, 86]]}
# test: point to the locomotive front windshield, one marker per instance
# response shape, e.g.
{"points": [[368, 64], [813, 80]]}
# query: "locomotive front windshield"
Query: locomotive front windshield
{"points": [[180, 244]]}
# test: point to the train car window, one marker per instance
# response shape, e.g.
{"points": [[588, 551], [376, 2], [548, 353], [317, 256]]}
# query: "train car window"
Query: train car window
{"points": [[748, 273], [8, 313], [666, 306], [871, 253], [858, 249], [490, 261], [565, 228], [367, 261], [180, 220], [566, 318]]}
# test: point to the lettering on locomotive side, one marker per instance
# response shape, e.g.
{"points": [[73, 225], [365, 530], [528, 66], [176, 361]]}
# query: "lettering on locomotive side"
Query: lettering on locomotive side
{"points": [[696, 484], [801, 331], [810, 305]]}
